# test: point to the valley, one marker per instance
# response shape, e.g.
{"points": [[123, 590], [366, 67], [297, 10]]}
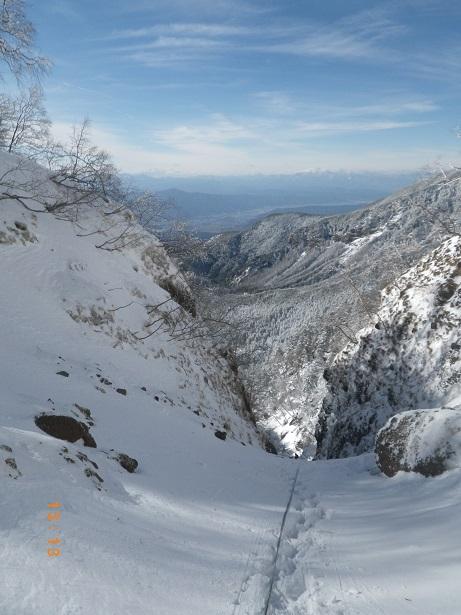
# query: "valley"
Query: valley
{"points": [[230, 308], [296, 289]]}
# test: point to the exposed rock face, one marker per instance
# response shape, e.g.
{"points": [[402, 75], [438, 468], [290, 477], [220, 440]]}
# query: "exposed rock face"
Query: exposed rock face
{"points": [[127, 462], [423, 441], [410, 358], [65, 428]]}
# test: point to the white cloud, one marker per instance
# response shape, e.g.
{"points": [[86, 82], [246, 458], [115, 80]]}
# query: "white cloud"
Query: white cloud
{"points": [[195, 29], [357, 37], [354, 127], [225, 147], [277, 102], [283, 103], [392, 108], [219, 130], [208, 8]]}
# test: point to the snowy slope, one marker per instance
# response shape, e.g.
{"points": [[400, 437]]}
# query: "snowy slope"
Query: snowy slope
{"points": [[71, 315], [409, 359], [357, 543], [194, 530]]}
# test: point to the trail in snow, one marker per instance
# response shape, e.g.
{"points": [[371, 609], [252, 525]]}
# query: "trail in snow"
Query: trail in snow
{"points": [[356, 543], [279, 541]]}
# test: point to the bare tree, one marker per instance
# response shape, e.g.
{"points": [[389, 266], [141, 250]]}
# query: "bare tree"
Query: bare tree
{"points": [[24, 122], [17, 37], [78, 174], [182, 244]]}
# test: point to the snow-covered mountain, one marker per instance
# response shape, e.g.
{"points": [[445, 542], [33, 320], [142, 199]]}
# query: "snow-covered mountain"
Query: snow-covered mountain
{"points": [[302, 286], [410, 358], [133, 457], [94, 304]]}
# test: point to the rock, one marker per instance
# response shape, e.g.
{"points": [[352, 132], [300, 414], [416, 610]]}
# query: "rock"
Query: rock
{"points": [[222, 435], [423, 441], [63, 373], [127, 462], [65, 428], [86, 413], [121, 391], [269, 447], [85, 459], [97, 480], [14, 471]]}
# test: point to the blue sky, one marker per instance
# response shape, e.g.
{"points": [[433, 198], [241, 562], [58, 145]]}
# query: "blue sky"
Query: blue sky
{"points": [[187, 87]]}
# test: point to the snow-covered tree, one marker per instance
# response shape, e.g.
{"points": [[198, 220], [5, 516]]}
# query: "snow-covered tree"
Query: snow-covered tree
{"points": [[17, 37], [24, 124]]}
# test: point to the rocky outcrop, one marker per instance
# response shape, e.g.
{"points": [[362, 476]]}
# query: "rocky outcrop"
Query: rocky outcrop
{"points": [[423, 441], [128, 463]]}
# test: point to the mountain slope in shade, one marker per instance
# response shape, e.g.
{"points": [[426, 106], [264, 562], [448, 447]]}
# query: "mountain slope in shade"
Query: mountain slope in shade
{"points": [[409, 359]]}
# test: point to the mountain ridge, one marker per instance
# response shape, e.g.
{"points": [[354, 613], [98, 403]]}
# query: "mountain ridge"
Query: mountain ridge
{"points": [[297, 288]]}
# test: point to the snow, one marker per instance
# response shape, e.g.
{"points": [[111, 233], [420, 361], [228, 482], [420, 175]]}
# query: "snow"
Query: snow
{"points": [[358, 244], [408, 359], [363, 544], [194, 530], [427, 441]]}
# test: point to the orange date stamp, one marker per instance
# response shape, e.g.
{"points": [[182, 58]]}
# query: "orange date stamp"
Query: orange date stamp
{"points": [[54, 515]]}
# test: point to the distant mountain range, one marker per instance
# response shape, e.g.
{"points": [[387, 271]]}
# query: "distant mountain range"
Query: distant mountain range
{"points": [[215, 204]]}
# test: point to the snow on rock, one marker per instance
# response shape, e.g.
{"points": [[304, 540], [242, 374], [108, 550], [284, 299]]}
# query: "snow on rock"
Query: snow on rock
{"points": [[424, 441], [410, 358]]}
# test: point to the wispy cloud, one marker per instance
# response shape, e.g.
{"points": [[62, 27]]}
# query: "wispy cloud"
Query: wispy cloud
{"points": [[360, 36], [66, 8], [222, 8], [199, 29], [394, 108], [318, 128], [194, 150], [218, 129], [277, 102]]}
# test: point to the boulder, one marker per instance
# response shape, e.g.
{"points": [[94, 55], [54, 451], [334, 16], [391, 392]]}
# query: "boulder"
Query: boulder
{"points": [[423, 441], [128, 463], [65, 428]]}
